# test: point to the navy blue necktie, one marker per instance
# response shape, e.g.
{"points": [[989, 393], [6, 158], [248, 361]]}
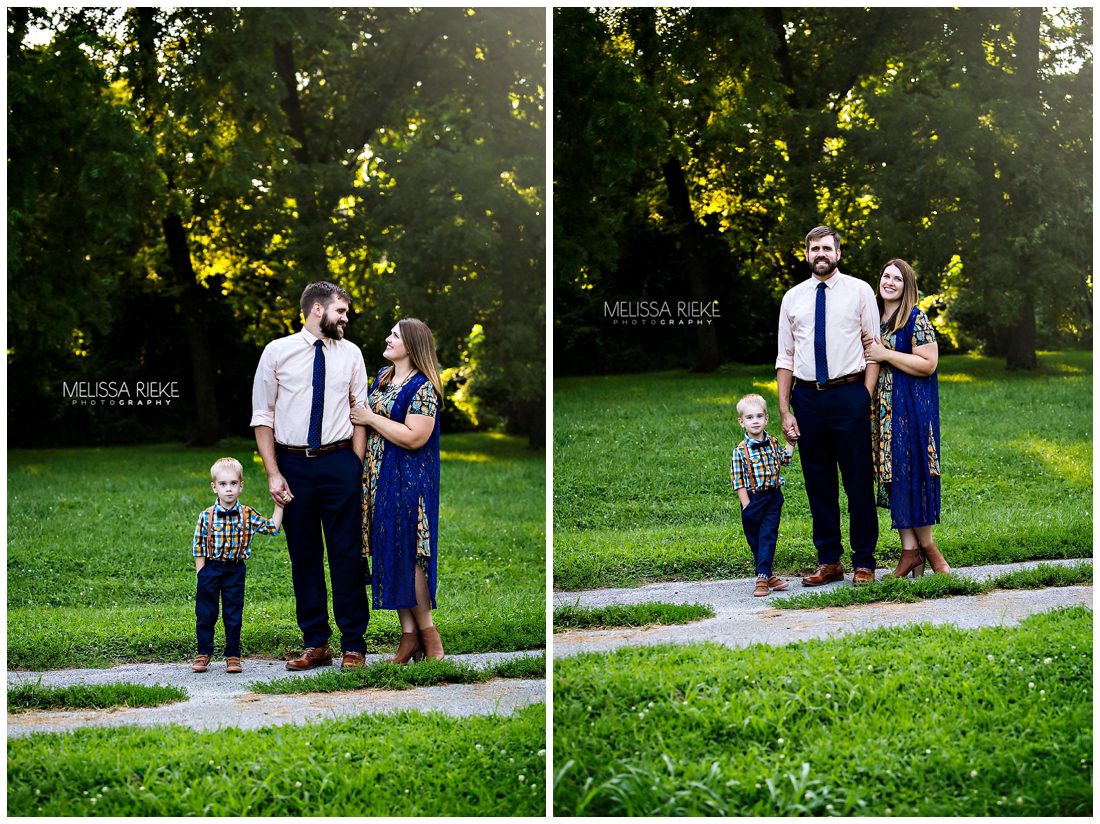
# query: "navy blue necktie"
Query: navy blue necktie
{"points": [[820, 360], [317, 410]]}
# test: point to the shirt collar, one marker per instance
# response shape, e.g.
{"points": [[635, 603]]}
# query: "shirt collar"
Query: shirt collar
{"points": [[218, 508], [765, 438], [831, 282], [310, 338]]}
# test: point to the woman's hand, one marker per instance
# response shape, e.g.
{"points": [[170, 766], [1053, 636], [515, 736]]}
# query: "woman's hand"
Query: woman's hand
{"points": [[873, 350], [361, 415]]}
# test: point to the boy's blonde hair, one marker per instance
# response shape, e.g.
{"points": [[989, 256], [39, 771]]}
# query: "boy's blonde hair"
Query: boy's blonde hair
{"points": [[226, 463], [751, 400]]}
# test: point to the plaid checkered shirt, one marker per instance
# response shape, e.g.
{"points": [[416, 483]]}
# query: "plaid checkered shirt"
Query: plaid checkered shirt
{"points": [[226, 534], [755, 464]]}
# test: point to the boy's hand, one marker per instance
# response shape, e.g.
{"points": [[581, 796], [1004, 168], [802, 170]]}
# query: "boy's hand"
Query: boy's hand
{"points": [[279, 489], [200, 562]]}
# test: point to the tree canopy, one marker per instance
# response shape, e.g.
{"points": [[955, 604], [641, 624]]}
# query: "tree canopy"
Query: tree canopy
{"points": [[176, 177], [695, 147]]}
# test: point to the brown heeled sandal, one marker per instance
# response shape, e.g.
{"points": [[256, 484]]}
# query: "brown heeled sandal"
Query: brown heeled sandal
{"points": [[410, 649]]}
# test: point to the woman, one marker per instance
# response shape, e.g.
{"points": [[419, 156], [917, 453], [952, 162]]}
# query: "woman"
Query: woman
{"points": [[401, 486], [906, 419]]}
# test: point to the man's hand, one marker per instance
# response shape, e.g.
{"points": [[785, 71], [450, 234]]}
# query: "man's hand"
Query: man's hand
{"points": [[280, 491], [789, 425]]}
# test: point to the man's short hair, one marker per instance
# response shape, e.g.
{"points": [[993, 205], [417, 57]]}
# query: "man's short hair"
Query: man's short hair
{"points": [[751, 400], [823, 231], [324, 293], [226, 463]]}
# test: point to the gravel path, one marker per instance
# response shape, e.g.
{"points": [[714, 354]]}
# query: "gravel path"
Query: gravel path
{"points": [[743, 619], [218, 699]]}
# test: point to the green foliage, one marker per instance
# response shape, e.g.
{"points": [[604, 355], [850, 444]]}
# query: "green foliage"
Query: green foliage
{"points": [[905, 591], [23, 697], [572, 616], [426, 673], [477, 766], [908, 721], [1014, 487], [713, 139], [227, 157], [89, 581]]}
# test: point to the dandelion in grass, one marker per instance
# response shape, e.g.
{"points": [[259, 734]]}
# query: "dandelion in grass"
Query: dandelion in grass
{"points": [[1031, 685], [990, 657], [781, 741], [829, 807], [521, 778], [542, 753], [973, 773], [1048, 660], [828, 695], [297, 783]]}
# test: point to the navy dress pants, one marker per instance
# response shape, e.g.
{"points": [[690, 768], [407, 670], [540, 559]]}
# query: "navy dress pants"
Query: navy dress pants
{"points": [[328, 499], [224, 579], [835, 431], [760, 520]]}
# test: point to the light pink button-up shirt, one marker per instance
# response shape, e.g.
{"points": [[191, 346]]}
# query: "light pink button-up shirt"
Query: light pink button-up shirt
{"points": [[849, 309], [282, 392]]}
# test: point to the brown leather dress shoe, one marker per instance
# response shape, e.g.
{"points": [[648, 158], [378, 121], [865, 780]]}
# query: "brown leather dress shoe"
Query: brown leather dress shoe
{"points": [[825, 573], [353, 660], [862, 576], [202, 662], [312, 657], [232, 664]]}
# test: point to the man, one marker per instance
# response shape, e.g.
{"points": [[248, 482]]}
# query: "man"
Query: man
{"points": [[313, 456], [821, 354]]}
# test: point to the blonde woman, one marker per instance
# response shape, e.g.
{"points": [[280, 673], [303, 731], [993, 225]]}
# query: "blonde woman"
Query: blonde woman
{"points": [[401, 486]]}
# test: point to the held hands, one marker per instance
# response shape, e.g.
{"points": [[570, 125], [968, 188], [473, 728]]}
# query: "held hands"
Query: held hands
{"points": [[790, 427], [280, 491]]}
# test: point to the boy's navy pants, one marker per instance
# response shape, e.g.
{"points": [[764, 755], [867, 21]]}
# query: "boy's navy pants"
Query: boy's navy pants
{"points": [[224, 578], [760, 520]]}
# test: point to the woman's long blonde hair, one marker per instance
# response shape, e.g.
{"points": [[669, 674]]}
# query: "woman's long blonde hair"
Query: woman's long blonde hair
{"points": [[420, 344], [909, 294]]}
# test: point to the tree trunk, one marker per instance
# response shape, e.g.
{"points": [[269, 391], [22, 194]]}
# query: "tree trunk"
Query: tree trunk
{"points": [[191, 306], [191, 296], [1021, 335]]}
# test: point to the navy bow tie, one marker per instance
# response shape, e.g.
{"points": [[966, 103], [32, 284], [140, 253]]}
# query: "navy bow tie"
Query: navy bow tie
{"points": [[225, 513], [758, 444]]}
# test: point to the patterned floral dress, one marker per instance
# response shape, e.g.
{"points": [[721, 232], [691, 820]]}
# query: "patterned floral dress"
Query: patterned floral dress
{"points": [[882, 411], [424, 402]]}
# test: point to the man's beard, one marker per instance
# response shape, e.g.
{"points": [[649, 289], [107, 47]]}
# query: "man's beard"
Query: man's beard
{"points": [[831, 264], [332, 328]]}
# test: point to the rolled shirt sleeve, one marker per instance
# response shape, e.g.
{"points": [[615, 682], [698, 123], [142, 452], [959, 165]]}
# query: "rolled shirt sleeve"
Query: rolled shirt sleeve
{"points": [[785, 357], [265, 388]]}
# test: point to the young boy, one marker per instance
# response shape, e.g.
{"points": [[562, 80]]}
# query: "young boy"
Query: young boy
{"points": [[754, 472], [223, 538]]}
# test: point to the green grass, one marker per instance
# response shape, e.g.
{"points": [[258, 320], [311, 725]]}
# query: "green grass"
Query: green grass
{"points": [[904, 590], [906, 721], [571, 616], [23, 697], [100, 567], [393, 765], [654, 451], [385, 676]]}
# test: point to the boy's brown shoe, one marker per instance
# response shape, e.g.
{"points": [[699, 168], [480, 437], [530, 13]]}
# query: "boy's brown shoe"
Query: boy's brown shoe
{"points": [[202, 663], [232, 664], [312, 657], [778, 584], [761, 587], [824, 574]]}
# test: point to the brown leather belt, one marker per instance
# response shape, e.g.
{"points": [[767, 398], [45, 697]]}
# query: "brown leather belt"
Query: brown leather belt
{"points": [[834, 383], [335, 446]]}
